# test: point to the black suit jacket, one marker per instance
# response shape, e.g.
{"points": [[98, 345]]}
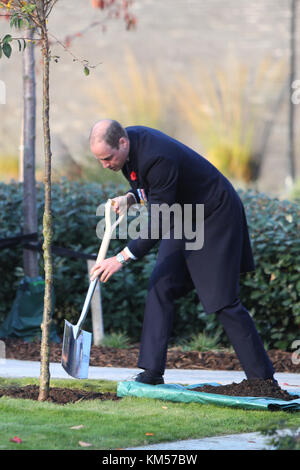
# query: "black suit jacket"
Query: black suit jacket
{"points": [[170, 172]]}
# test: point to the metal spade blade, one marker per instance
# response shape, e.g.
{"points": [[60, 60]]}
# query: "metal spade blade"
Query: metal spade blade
{"points": [[76, 348], [76, 352]]}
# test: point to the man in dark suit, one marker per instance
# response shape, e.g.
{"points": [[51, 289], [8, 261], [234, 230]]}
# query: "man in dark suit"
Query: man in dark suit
{"points": [[160, 171]]}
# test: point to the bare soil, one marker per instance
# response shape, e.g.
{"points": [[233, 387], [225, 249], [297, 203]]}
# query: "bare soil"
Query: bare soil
{"points": [[177, 359], [59, 395]]}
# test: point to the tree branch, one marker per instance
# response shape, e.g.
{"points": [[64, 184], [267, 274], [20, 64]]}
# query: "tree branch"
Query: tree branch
{"points": [[84, 62]]}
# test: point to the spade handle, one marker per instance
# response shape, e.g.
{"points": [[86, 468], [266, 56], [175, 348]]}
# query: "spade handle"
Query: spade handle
{"points": [[109, 229]]}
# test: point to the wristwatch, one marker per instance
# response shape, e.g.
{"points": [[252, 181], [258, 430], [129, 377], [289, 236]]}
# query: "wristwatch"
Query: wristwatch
{"points": [[120, 258]]}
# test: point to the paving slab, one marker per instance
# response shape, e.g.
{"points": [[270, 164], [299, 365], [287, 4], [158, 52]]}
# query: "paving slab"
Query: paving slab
{"points": [[17, 368], [247, 441]]}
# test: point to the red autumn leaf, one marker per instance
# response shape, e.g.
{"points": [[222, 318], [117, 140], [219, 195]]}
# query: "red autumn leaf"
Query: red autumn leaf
{"points": [[16, 439], [99, 4]]}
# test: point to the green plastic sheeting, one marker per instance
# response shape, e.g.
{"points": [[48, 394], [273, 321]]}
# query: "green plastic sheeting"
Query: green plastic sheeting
{"points": [[26, 315], [184, 394]]}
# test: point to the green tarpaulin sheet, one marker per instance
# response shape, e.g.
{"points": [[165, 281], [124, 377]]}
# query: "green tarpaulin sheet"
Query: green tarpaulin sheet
{"points": [[185, 394], [26, 315]]}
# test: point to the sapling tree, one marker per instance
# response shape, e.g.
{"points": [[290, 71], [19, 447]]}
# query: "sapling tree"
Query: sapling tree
{"points": [[26, 16], [35, 14]]}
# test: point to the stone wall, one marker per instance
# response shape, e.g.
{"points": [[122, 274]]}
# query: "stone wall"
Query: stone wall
{"points": [[174, 38]]}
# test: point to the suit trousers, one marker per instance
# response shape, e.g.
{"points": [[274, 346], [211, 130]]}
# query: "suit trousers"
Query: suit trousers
{"points": [[170, 280]]}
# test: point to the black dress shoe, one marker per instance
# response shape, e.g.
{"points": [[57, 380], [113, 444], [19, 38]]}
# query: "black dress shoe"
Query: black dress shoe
{"points": [[148, 377]]}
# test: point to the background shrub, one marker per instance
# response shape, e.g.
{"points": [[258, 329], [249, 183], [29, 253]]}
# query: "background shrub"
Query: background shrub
{"points": [[271, 293]]}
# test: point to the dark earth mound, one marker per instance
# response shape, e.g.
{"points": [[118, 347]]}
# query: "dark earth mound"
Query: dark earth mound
{"points": [[177, 358], [249, 388], [57, 395]]}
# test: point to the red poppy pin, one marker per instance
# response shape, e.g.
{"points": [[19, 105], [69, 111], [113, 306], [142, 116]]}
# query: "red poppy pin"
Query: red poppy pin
{"points": [[133, 176]]}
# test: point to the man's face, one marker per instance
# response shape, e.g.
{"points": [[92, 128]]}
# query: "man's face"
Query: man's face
{"points": [[111, 158]]}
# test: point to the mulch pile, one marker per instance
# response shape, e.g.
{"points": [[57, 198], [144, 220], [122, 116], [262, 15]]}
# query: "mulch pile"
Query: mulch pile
{"points": [[177, 359], [59, 395], [249, 388]]}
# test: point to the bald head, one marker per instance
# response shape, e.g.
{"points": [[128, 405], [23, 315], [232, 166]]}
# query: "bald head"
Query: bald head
{"points": [[109, 131], [110, 144]]}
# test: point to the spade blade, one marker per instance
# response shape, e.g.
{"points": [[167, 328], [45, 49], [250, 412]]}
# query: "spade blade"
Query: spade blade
{"points": [[76, 351]]}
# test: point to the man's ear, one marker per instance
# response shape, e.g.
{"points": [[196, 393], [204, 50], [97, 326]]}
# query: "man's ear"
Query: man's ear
{"points": [[123, 142]]}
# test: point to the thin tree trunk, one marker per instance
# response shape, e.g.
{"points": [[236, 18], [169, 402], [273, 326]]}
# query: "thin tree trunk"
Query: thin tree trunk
{"points": [[291, 139], [21, 153], [268, 128], [47, 224], [28, 152]]}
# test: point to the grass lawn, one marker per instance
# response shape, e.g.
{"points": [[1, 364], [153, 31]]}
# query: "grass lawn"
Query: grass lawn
{"points": [[129, 422]]}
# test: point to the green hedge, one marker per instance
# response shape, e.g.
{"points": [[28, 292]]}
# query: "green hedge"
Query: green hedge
{"points": [[271, 293]]}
